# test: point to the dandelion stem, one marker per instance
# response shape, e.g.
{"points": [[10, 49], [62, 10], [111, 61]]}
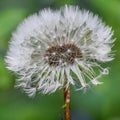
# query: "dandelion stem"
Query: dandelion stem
{"points": [[67, 109]]}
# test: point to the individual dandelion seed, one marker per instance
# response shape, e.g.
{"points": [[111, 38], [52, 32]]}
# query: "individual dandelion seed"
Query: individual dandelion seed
{"points": [[55, 49]]}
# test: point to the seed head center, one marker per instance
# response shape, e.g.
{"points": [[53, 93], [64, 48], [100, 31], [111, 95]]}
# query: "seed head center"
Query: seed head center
{"points": [[61, 55]]}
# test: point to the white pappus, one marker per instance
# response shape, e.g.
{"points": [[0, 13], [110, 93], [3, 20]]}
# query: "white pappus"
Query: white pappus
{"points": [[52, 48]]}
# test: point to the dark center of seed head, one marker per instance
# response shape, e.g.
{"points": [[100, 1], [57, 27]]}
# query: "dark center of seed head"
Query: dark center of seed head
{"points": [[62, 55]]}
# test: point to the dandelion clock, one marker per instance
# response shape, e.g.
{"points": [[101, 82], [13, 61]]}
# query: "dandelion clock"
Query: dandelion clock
{"points": [[54, 50]]}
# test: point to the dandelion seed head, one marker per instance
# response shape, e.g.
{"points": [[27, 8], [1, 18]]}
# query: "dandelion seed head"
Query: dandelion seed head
{"points": [[52, 48]]}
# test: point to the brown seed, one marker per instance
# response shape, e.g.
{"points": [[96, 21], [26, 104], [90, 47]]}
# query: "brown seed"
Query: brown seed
{"points": [[59, 55]]}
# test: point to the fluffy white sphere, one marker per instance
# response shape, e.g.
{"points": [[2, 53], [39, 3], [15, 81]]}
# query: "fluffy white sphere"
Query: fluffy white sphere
{"points": [[52, 48]]}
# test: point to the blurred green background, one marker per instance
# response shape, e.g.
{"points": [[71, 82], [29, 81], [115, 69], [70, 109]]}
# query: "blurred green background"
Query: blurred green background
{"points": [[98, 103]]}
